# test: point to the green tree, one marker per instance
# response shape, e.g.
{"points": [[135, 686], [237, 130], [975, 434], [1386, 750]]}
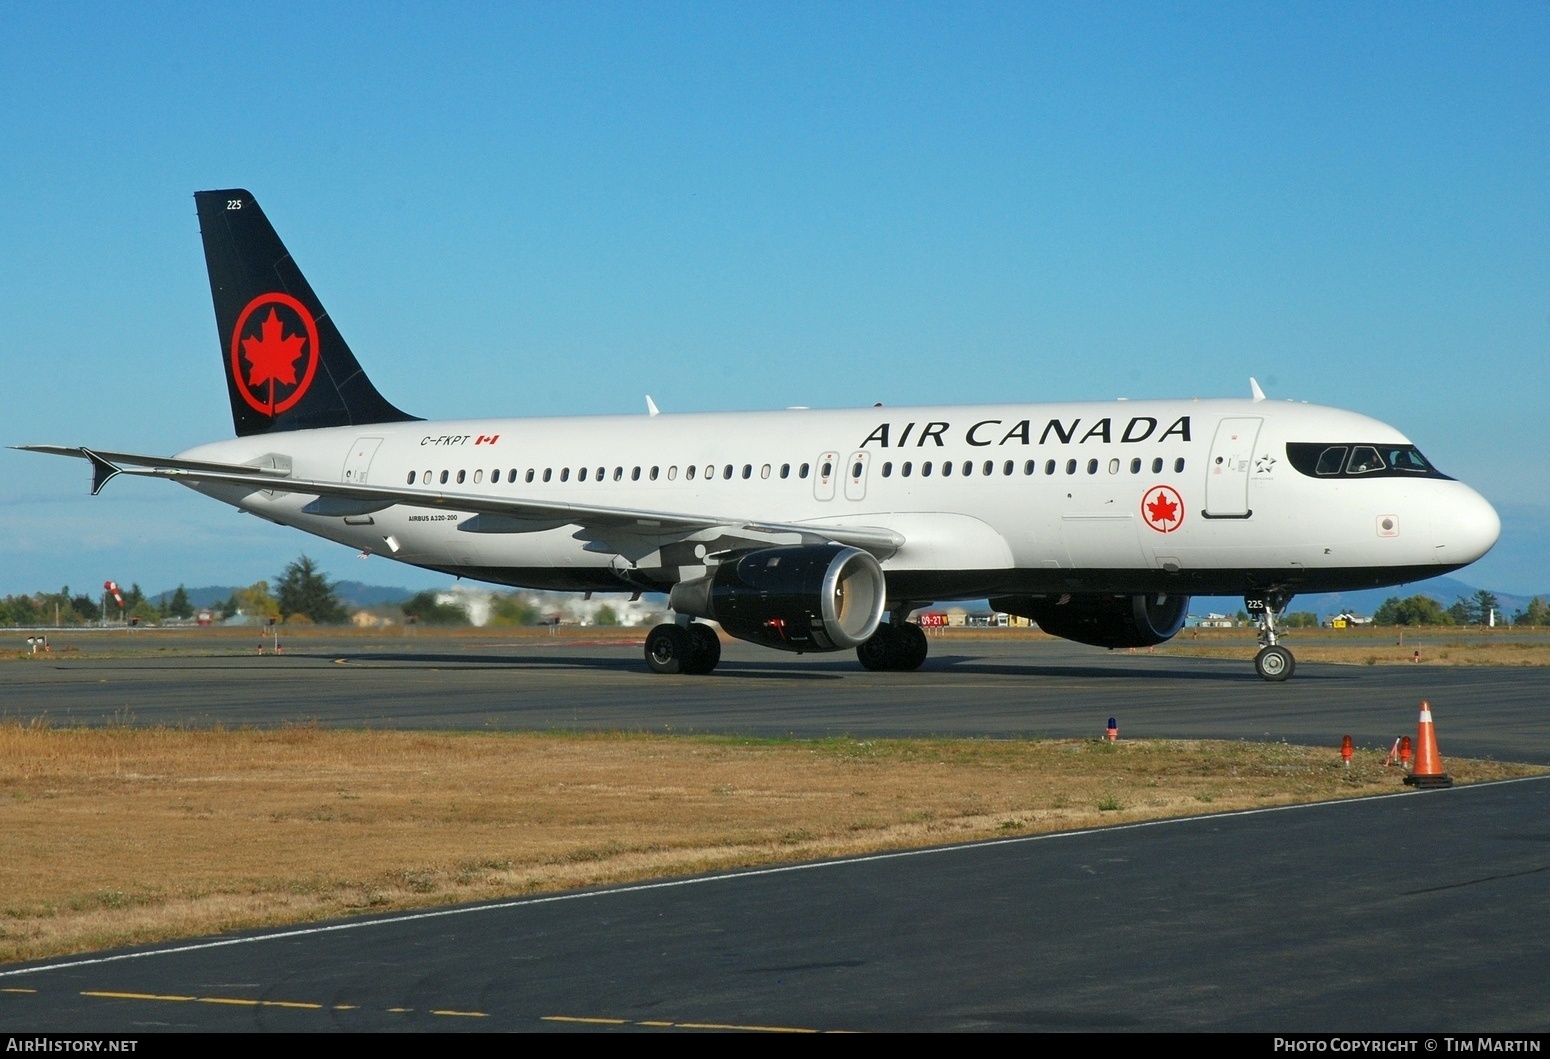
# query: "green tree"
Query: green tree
{"points": [[303, 589], [86, 608], [1536, 613], [179, 606], [1416, 610], [424, 609], [606, 615], [1464, 612], [511, 610], [255, 601], [1300, 619], [1485, 603]]}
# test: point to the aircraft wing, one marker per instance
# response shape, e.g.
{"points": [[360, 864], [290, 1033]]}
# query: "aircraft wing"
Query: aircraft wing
{"points": [[602, 524]]}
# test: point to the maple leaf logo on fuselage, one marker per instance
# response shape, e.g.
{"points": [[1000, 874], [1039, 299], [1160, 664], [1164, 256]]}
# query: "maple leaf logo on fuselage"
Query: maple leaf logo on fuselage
{"points": [[1163, 509]]}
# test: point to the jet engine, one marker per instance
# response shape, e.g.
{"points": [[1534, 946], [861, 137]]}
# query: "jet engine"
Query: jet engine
{"points": [[825, 597], [1103, 621]]}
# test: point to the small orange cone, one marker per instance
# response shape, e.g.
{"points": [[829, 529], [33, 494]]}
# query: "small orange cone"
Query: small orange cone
{"points": [[1346, 750], [1428, 762], [1404, 752]]}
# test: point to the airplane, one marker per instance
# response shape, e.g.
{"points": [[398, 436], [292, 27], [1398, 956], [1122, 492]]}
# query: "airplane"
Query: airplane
{"points": [[815, 530]]}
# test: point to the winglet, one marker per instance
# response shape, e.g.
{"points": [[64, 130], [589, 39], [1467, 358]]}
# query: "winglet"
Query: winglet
{"points": [[102, 472], [1258, 394], [651, 406]]}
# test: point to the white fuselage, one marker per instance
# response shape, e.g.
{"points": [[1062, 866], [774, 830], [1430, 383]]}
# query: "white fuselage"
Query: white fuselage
{"points": [[1129, 496]]}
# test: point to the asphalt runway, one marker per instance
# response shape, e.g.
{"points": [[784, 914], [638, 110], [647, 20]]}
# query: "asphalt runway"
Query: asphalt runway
{"points": [[1418, 912], [967, 688]]}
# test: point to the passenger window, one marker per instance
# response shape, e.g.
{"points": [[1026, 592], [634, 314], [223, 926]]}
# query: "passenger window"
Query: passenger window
{"points": [[1070, 466], [652, 474], [887, 470], [478, 477], [635, 475], [726, 472], [672, 472], [1114, 466], [1364, 459], [803, 472], [495, 476], [905, 470], [828, 469], [511, 476], [619, 473], [689, 472], [1092, 466], [1331, 460], [785, 470], [855, 470], [710, 472], [1049, 467], [1030, 466], [1135, 465], [1157, 465], [581, 475], [411, 477], [1006, 468], [925, 469], [564, 474], [747, 471], [426, 477], [947, 468], [764, 472], [444, 476], [528, 477], [1178, 465]]}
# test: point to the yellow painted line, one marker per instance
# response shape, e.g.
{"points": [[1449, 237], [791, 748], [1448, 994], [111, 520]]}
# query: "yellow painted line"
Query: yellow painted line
{"points": [[136, 996], [18, 990], [345, 1007], [600, 1022], [399, 1011], [245, 1002], [748, 1029], [464, 1014], [653, 1024]]}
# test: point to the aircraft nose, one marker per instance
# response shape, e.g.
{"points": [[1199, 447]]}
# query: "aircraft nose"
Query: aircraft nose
{"points": [[1465, 528]]}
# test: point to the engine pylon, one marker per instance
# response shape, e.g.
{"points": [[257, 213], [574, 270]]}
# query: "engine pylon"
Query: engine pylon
{"points": [[1428, 762]]}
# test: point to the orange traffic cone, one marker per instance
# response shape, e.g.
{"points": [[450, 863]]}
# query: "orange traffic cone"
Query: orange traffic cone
{"points": [[1428, 762]]}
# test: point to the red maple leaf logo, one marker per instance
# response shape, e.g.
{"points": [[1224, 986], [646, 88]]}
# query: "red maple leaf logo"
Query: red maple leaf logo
{"points": [[1163, 509], [264, 366], [272, 356]]}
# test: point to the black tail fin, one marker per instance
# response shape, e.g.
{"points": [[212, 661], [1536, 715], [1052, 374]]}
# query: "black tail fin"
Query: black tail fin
{"points": [[287, 367]]}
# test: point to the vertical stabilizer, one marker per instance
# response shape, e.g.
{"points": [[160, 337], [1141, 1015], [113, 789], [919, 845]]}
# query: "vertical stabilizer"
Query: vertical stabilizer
{"points": [[287, 367]]}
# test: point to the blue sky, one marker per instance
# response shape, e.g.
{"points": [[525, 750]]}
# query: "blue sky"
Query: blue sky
{"points": [[557, 208]]}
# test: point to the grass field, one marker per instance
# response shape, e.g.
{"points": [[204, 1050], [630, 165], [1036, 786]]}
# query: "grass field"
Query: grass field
{"points": [[119, 835]]}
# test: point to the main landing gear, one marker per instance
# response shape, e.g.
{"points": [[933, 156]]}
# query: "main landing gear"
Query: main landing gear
{"points": [[1273, 662], [693, 649], [896, 645]]}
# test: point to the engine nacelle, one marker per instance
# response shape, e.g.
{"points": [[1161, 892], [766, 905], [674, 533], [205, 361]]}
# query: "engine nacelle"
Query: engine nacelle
{"points": [[824, 597], [1103, 621]]}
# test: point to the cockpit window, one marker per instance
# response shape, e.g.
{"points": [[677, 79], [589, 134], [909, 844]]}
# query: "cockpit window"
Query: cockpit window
{"points": [[1348, 460], [1364, 460], [1331, 460]]}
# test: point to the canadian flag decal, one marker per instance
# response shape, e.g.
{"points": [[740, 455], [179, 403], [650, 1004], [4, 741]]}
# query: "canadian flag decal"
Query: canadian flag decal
{"points": [[487, 439]]}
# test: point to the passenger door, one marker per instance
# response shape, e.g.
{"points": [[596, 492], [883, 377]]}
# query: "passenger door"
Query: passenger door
{"points": [[1227, 471]]}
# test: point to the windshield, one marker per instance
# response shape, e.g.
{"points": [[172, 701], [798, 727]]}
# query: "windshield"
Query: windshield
{"points": [[1351, 460]]}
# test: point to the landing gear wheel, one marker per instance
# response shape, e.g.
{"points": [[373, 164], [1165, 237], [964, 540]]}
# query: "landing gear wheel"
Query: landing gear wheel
{"points": [[669, 649], [913, 646], [707, 649], [881, 651], [1274, 663]]}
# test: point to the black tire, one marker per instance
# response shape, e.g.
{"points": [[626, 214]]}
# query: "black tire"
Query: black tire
{"points": [[913, 647], [881, 651], [707, 649], [1274, 663], [668, 649]]}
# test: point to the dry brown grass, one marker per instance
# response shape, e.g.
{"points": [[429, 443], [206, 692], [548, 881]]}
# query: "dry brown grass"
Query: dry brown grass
{"points": [[119, 835]]}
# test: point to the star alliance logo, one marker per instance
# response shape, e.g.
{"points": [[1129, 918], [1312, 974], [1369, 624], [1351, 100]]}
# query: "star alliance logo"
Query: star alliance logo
{"points": [[1265, 464]]}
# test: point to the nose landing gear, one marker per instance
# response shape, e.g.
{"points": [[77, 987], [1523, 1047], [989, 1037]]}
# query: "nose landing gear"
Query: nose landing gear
{"points": [[1273, 662]]}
